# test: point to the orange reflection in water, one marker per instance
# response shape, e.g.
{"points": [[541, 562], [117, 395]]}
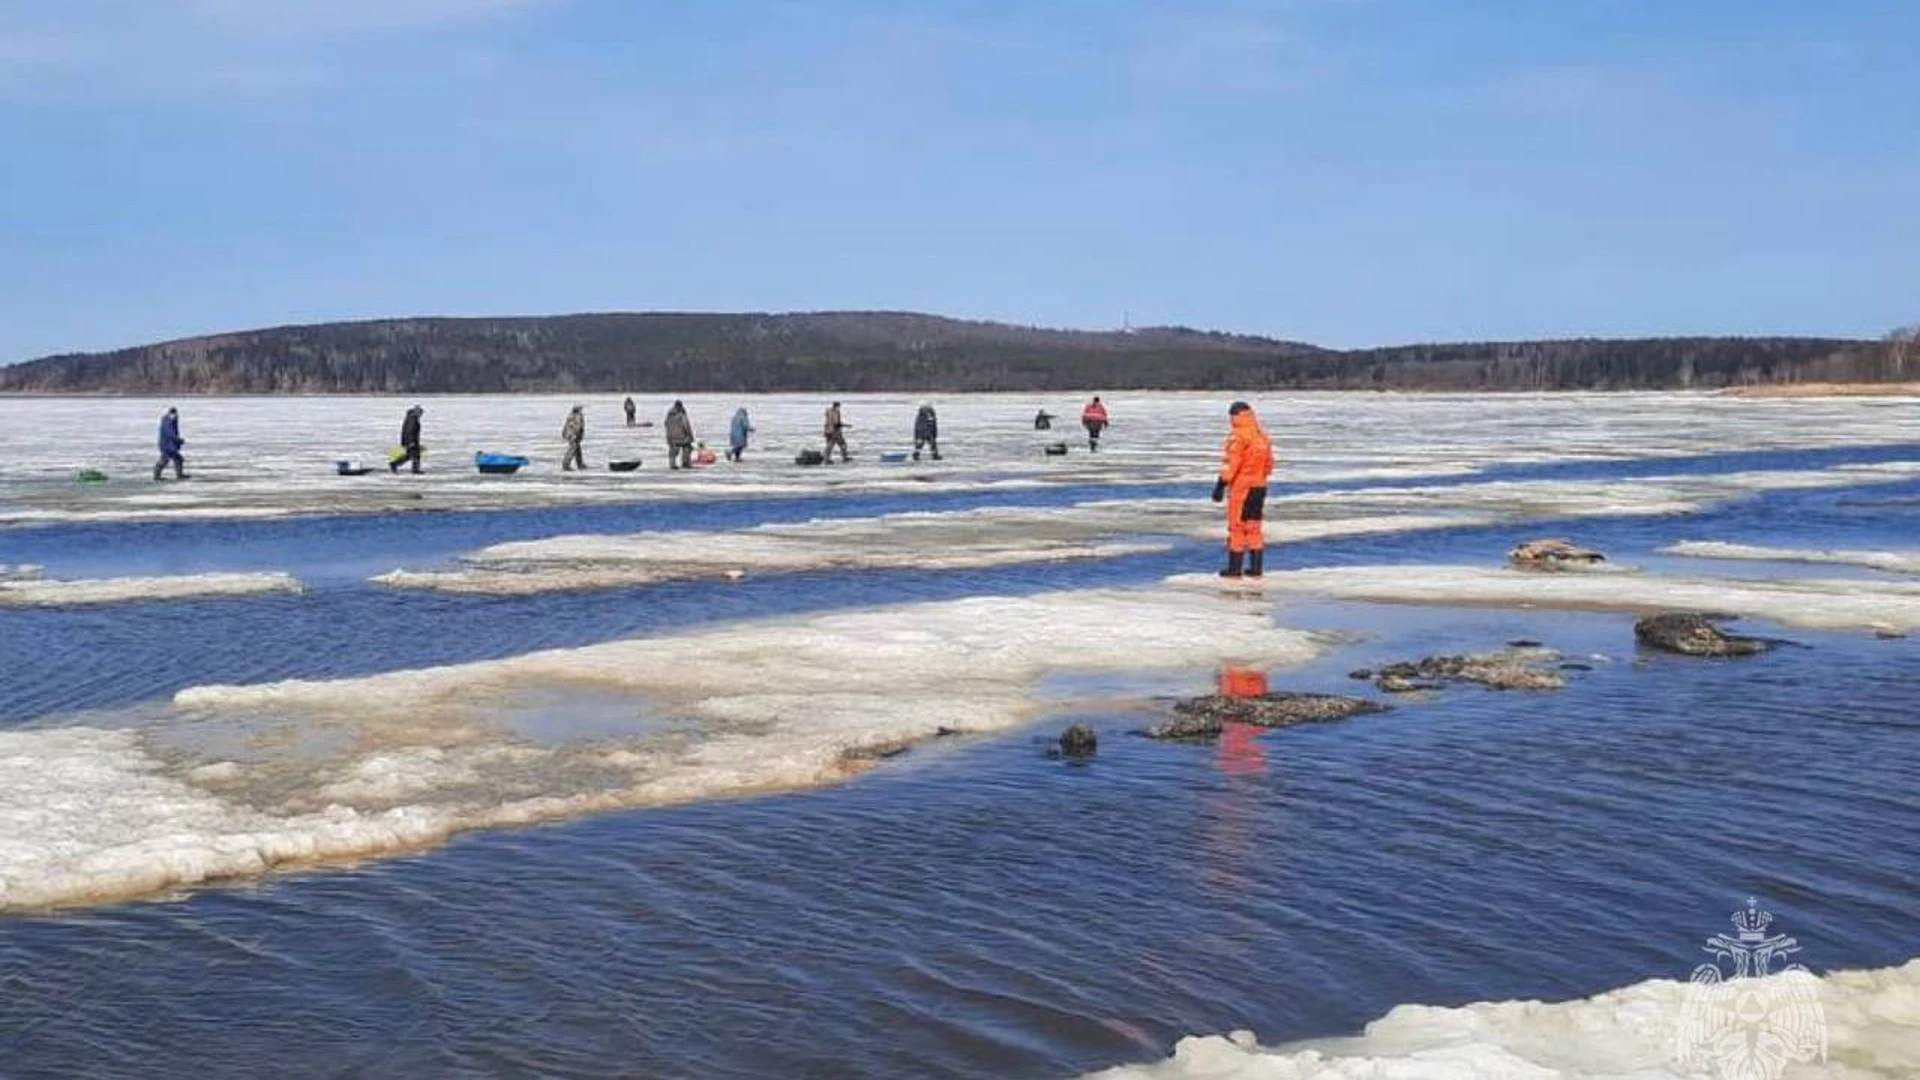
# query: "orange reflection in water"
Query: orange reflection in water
{"points": [[1239, 752]]}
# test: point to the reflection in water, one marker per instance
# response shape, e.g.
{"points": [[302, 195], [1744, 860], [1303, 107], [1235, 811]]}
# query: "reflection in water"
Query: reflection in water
{"points": [[1236, 814], [1240, 753]]}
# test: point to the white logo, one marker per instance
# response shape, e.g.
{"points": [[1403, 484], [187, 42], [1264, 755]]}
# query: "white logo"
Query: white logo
{"points": [[1762, 1014]]}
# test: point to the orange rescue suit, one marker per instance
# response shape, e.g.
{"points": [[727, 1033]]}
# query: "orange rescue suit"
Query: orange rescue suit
{"points": [[1245, 466]]}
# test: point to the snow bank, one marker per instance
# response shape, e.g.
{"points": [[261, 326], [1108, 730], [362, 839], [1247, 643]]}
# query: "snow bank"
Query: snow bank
{"points": [[1872, 1021], [46, 592], [1815, 604], [1899, 562], [213, 788]]}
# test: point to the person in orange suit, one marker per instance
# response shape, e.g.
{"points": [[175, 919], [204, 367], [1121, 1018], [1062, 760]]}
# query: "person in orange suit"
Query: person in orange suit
{"points": [[1246, 464]]}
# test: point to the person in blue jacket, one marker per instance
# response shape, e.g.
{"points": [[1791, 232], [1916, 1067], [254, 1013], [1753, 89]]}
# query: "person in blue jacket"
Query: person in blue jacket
{"points": [[737, 434], [170, 444]]}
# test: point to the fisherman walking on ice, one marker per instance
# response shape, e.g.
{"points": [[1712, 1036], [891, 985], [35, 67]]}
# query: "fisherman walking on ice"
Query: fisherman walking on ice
{"points": [[1246, 464], [409, 442], [834, 427], [573, 433], [170, 444]]}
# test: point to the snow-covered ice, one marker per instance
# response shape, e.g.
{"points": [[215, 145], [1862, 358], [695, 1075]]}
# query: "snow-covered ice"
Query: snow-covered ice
{"points": [[1899, 562], [1809, 603], [36, 591], [1872, 1028], [955, 540], [948, 540], [255, 457]]}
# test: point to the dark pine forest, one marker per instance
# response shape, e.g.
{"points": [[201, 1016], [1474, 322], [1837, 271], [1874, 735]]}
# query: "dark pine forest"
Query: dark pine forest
{"points": [[898, 351]]}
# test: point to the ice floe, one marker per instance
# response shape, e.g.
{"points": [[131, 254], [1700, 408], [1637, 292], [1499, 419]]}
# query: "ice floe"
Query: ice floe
{"points": [[1870, 1021], [232, 780], [1900, 562], [1809, 603], [1545, 499], [52, 592], [951, 540]]}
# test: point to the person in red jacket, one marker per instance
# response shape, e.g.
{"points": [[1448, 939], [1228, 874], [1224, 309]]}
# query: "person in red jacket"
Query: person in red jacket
{"points": [[1246, 464], [1094, 419]]}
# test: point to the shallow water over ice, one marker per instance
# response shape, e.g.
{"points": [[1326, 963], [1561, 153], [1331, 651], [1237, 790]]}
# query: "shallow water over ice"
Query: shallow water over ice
{"points": [[982, 911]]}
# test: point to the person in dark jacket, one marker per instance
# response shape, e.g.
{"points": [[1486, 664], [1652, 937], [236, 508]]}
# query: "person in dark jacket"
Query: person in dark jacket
{"points": [[409, 442], [835, 429], [737, 433], [679, 438], [1043, 421], [170, 444], [631, 409], [573, 433], [926, 432]]}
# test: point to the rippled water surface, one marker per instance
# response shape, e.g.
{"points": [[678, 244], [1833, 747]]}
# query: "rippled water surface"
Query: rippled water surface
{"points": [[976, 908]]}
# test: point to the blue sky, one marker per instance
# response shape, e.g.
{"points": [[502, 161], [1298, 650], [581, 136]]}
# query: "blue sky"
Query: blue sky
{"points": [[1347, 172]]}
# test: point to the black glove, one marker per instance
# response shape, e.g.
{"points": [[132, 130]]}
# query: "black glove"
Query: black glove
{"points": [[1219, 490]]}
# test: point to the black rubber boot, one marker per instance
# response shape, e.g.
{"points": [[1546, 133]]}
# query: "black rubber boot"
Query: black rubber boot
{"points": [[1256, 563], [1233, 564]]}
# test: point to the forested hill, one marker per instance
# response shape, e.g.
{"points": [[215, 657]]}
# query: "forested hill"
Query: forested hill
{"points": [[853, 351]]}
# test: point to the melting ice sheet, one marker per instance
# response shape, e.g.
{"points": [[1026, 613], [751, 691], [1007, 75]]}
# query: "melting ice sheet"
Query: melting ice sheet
{"points": [[1813, 603], [996, 536], [34, 591], [942, 541], [1899, 562], [233, 780], [1538, 499], [1872, 1023], [993, 536]]}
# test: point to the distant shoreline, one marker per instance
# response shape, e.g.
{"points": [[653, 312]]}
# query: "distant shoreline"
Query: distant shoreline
{"points": [[1825, 389], [907, 352]]}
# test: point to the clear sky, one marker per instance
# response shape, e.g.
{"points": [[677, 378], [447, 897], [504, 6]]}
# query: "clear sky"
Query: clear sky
{"points": [[1346, 172]]}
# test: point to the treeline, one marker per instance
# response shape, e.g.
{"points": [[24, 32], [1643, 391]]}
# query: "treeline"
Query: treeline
{"points": [[895, 351]]}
